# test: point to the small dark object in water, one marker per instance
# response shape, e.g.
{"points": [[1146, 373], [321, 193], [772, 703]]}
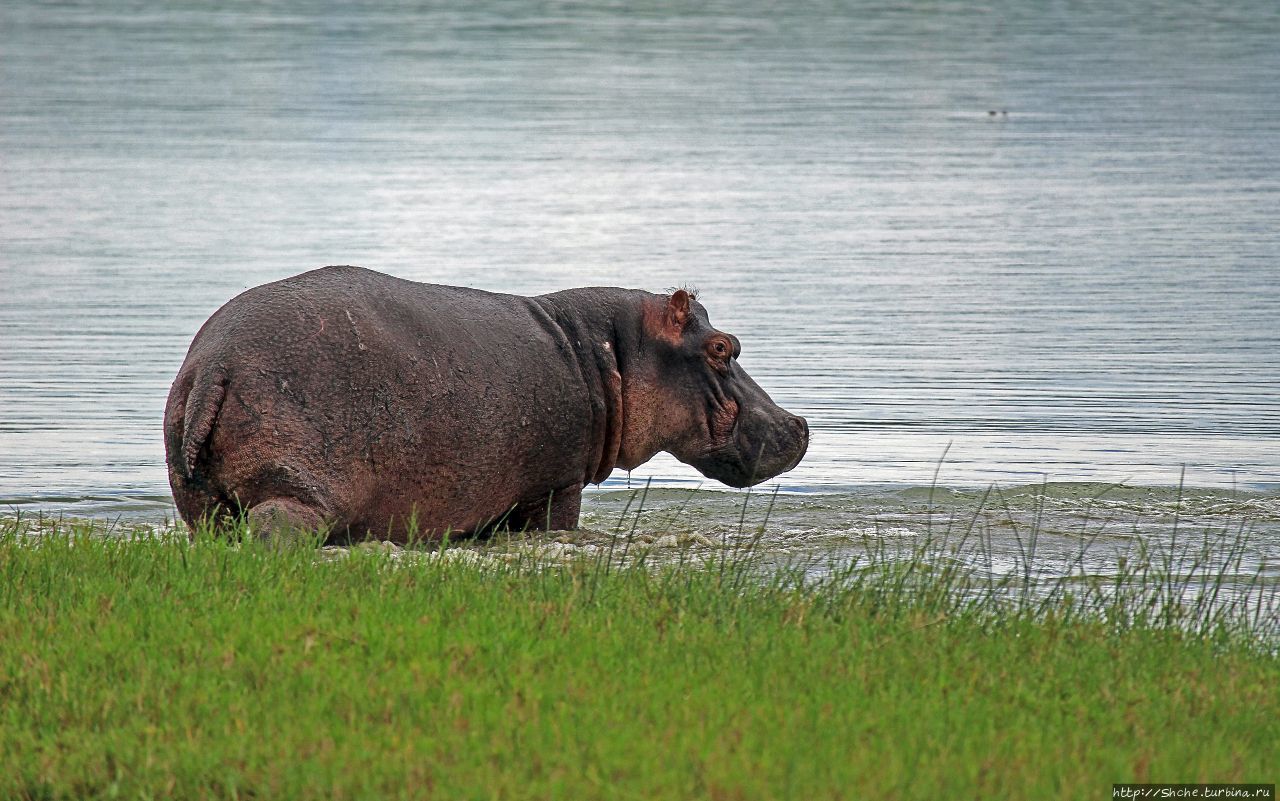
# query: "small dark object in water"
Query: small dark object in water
{"points": [[352, 400]]}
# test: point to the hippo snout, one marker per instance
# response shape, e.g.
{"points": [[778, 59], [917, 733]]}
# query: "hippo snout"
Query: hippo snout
{"points": [[765, 443], [800, 427], [771, 444]]}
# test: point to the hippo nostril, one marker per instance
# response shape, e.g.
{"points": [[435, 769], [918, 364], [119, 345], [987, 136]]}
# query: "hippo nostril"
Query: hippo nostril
{"points": [[801, 425]]}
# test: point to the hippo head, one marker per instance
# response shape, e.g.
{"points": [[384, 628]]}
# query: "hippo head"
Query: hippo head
{"points": [[686, 394]]}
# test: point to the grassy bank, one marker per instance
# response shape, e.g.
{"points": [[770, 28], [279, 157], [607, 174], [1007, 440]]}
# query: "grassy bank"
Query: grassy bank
{"points": [[150, 667]]}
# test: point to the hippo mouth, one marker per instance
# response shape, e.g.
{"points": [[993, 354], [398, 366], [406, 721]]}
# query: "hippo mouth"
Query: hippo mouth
{"points": [[755, 453]]}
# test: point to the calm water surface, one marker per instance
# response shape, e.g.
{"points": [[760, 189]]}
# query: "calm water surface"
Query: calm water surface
{"points": [[1086, 287]]}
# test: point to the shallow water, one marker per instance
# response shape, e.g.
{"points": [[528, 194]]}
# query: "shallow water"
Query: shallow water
{"points": [[1053, 529], [1085, 288]]}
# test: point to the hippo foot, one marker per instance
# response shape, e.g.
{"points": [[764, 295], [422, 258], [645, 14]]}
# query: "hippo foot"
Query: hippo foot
{"points": [[285, 520], [556, 512]]}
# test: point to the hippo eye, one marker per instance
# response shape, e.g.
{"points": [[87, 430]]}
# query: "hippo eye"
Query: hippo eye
{"points": [[719, 349]]}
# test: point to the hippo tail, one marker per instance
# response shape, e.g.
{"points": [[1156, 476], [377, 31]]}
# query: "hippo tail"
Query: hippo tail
{"points": [[193, 407]]}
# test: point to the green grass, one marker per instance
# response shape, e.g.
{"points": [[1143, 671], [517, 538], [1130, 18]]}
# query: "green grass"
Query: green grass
{"points": [[138, 666]]}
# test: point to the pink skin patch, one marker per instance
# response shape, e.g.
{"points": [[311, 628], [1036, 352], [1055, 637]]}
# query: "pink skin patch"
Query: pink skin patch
{"points": [[722, 421]]}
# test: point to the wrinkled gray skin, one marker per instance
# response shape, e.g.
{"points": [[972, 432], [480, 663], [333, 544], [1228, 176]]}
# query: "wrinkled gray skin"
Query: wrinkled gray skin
{"points": [[369, 406]]}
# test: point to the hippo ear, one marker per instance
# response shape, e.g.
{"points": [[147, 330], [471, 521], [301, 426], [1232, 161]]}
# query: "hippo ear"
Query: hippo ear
{"points": [[677, 313]]}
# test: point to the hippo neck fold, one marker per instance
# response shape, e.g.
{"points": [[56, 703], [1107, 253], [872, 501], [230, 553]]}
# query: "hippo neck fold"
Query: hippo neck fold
{"points": [[591, 326]]}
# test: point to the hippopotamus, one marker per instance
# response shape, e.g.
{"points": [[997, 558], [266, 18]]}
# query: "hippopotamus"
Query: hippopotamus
{"points": [[354, 403]]}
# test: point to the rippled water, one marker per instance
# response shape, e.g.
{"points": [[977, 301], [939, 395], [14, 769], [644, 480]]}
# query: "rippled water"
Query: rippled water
{"points": [[1085, 287]]}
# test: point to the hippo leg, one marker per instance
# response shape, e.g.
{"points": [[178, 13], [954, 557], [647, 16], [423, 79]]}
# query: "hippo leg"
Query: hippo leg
{"points": [[556, 512], [285, 519]]}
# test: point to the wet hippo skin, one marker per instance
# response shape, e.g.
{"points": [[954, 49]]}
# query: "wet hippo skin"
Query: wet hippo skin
{"points": [[371, 406]]}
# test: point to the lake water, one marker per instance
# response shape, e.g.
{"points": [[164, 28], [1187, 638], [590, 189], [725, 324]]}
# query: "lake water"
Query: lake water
{"points": [[1083, 286]]}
